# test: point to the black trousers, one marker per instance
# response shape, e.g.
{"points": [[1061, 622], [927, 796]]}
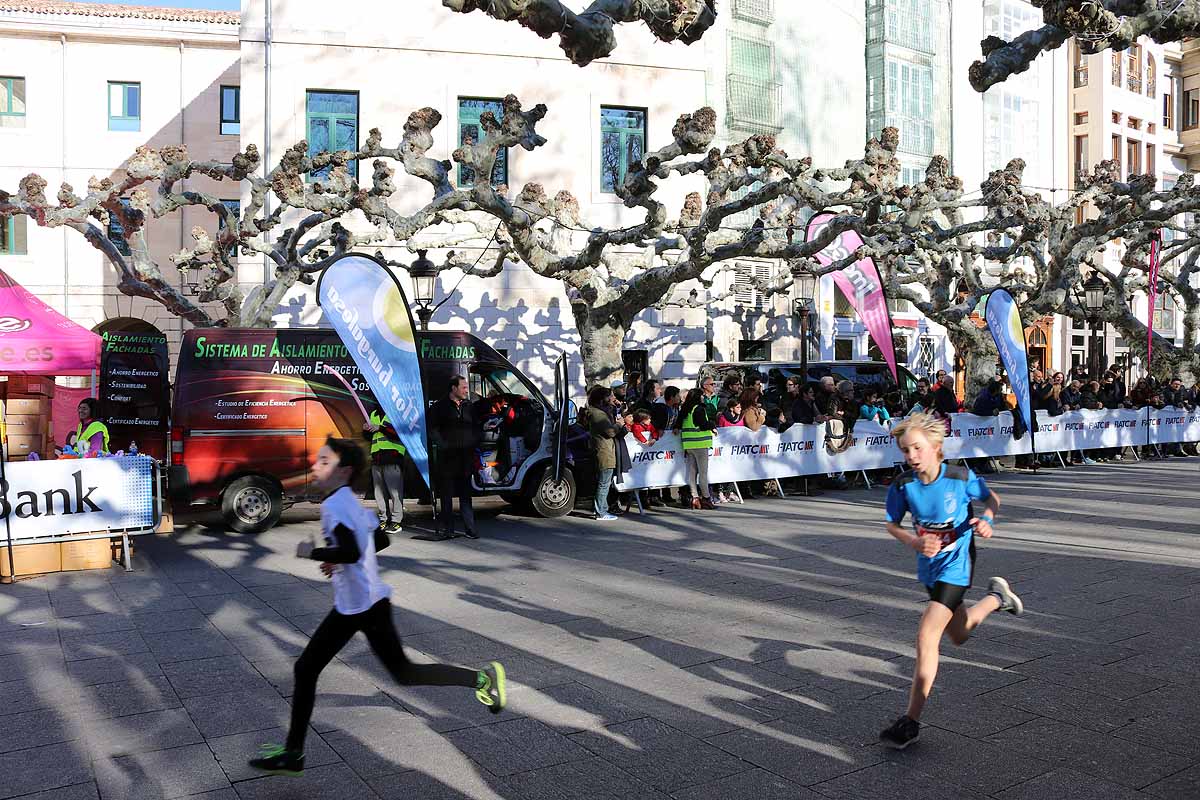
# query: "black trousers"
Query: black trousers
{"points": [[450, 484], [334, 632]]}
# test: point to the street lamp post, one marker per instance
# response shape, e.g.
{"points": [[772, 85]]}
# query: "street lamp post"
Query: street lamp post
{"points": [[805, 284], [1093, 300], [424, 278]]}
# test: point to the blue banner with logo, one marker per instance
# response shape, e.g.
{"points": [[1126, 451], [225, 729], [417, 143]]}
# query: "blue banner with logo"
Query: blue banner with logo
{"points": [[1004, 321], [364, 303]]}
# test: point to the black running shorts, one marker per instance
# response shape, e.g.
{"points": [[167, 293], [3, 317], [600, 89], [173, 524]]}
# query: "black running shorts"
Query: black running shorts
{"points": [[947, 594]]}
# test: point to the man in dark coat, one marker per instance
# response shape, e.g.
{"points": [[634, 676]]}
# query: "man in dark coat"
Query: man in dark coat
{"points": [[454, 435]]}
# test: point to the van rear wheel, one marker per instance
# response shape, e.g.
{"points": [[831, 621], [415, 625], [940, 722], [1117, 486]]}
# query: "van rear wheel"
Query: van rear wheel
{"points": [[551, 498], [251, 504]]}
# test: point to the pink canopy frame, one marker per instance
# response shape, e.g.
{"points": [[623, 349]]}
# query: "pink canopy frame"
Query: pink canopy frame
{"points": [[37, 340]]}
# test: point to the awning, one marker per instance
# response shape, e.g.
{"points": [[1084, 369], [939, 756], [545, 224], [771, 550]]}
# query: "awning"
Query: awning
{"points": [[37, 340]]}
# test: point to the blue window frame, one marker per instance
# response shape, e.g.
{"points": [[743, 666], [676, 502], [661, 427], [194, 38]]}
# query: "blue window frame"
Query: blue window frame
{"points": [[235, 208], [622, 142], [12, 102], [470, 131], [332, 124], [231, 110], [116, 231], [124, 106]]}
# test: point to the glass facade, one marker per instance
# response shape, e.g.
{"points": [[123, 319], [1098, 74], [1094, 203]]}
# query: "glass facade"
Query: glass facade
{"points": [[908, 78]]}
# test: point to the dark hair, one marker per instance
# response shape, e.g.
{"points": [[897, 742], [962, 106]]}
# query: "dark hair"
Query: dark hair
{"points": [[93, 407], [455, 381], [732, 378], [598, 395], [349, 454], [670, 392], [869, 392], [749, 398], [693, 399], [648, 389], [641, 415]]}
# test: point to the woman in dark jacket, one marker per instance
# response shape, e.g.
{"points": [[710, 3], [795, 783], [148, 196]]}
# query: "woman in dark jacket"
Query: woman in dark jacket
{"points": [[604, 433]]}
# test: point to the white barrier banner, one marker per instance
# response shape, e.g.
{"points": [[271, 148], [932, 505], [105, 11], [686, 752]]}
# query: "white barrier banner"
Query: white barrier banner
{"points": [[1172, 425], [982, 437], [739, 454], [48, 499]]}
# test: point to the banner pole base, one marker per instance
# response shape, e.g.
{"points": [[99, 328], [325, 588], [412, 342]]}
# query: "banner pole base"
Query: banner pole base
{"points": [[779, 486], [125, 551], [866, 479]]}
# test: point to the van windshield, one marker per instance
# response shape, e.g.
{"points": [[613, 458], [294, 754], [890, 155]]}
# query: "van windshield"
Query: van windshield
{"points": [[489, 381]]}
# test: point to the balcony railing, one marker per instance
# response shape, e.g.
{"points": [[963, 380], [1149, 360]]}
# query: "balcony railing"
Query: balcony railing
{"points": [[1135, 84], [754, 105], [760, 11]]}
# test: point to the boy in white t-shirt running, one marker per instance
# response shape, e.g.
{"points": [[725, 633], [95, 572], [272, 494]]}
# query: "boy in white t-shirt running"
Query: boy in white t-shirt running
{"points": [[361, 603], [940, 499]]}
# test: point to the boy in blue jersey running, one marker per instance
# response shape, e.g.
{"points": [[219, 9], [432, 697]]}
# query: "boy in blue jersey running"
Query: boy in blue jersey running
{"points": [[939, 497]]}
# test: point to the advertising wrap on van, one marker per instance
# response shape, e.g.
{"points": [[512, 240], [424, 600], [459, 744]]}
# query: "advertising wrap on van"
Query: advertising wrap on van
{"points": [[364, 303]]}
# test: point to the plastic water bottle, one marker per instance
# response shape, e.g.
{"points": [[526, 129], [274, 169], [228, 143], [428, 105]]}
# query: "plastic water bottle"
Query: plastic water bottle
{"points": [[133, 448]]}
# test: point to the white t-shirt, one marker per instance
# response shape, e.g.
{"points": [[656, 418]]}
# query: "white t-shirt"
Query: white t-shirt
{"points": [[356, 587]]}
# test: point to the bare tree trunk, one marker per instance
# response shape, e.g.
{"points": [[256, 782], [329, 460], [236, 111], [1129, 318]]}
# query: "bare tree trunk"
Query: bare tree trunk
{"points": [[978, 352], [602, 337]]}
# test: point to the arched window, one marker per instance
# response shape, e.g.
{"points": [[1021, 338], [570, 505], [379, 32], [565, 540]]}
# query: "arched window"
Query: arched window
{"points": [[1151, 89], [1037, 337]]}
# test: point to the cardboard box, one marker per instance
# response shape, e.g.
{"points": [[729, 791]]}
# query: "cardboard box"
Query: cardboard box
{"points": [[31, 406], [86, 554], [21, 446], [30, 384], [25, 424], [32, 559]]}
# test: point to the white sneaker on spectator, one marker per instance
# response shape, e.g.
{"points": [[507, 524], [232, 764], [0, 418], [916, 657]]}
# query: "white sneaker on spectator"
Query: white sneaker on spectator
{"points": [[1087, 460]]}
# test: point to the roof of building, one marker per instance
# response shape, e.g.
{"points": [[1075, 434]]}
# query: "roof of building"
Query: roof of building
{"points": [[61, 7]]}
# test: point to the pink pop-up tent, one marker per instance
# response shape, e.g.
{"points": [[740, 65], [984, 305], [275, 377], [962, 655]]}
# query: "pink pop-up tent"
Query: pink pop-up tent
{"points": [[37, 340]]}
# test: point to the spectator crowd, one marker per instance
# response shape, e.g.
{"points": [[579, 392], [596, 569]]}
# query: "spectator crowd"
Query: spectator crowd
{"points": [[649, 410]]}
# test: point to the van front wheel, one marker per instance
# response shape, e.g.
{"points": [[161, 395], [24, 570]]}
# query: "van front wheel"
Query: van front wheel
{"points": [[251, 504], [551, 498]]}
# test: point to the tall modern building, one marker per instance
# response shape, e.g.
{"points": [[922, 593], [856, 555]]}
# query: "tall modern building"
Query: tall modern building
{"points": [[794, 71]]}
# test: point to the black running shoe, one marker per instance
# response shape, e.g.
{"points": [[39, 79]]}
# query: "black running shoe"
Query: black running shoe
{"points": [[278, 760], [901, 734], [1009, 601], [494, 693]]}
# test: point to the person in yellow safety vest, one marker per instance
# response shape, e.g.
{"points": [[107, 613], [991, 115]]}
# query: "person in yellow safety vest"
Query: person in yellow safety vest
{"points": [[91, 437], [695, 424], [387, 470]]}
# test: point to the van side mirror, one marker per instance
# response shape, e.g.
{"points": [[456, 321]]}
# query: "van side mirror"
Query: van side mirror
{"points": [[572, 410]]}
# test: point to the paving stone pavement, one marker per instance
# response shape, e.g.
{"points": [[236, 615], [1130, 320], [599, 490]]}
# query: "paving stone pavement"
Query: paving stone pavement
{"points": [[751, 652]]}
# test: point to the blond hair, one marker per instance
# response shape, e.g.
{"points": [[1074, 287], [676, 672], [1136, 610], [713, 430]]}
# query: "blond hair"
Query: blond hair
{"points": [[927, 425]]}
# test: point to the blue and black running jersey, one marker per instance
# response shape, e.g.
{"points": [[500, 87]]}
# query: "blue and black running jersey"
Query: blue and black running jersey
{"points": [[943, 508]]}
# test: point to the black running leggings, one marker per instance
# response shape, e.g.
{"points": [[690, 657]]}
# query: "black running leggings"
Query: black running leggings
{"points": [[334, 632]]}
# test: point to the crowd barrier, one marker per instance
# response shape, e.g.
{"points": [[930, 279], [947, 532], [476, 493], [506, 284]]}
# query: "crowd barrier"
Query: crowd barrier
{"points": [[739, 454]]}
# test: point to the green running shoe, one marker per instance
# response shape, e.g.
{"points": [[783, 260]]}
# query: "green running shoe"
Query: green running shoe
{"points": [[278, 760], [493, 693]]}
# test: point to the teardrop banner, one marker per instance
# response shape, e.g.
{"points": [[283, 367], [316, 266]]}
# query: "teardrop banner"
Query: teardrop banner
{"points": [[364, 303], [1003, 319], [862, 284]]}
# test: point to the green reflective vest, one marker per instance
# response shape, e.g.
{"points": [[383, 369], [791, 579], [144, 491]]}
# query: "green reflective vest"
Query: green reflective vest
{"points": [[380, 441], [83, 437], [693, 438]]}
